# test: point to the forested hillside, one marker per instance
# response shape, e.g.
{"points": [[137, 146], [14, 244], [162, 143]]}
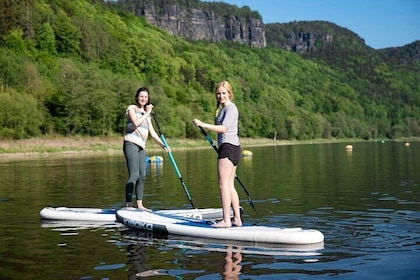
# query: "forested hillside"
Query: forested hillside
{"points": [[387, 81], [72, 67]]}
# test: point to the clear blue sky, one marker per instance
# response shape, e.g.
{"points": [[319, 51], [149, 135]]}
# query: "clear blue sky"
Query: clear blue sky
{"points": [[381, 23]]}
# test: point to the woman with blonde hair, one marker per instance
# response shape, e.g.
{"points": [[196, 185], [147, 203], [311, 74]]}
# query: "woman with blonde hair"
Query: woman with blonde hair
{"points": [[229, 149]]}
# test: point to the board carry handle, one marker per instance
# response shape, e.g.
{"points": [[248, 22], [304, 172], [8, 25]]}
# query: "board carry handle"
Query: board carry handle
{"points": [[171, 158], [236, 176]]}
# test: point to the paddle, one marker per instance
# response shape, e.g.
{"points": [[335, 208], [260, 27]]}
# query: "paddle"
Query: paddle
{"points": [[236, 176], [162, 137]]}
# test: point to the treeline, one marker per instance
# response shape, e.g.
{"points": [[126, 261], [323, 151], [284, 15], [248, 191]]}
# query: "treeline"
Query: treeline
{"points": [[72, 67], [219, 8]]}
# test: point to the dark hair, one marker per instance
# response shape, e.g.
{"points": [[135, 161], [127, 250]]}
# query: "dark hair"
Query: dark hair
{"points": [[138, 92]]}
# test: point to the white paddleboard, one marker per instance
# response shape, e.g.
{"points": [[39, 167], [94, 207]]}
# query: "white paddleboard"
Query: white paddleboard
{"points": [[139, 237], [171, 224], [108, 215]]}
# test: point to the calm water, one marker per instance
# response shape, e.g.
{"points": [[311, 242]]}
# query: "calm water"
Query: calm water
{"points": [[365, 202]]}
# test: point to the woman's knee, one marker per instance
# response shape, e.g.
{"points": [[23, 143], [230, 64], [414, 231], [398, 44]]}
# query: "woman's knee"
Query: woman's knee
{"points": [[134, 177]]}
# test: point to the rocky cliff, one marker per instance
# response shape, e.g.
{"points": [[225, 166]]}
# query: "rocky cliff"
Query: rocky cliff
{"points": [[198, 24], [303, 42], [305, 37], [217, 21]]}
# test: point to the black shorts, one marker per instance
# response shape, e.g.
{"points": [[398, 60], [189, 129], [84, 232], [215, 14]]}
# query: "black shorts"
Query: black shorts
{"points": [[232, 152]]}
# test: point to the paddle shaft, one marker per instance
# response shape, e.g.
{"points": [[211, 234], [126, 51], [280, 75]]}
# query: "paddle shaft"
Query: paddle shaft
{"points": [[236, 176], [171, 158]]}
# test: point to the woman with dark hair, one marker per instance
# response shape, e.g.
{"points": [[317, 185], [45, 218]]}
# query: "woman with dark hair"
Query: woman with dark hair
{"points": [[226, 127], [139, 126]]}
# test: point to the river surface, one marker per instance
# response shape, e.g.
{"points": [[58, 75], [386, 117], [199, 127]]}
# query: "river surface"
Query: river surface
{"points": [[366, 202]]}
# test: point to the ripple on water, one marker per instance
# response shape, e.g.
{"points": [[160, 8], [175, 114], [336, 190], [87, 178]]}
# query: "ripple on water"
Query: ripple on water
{"points": [[109, 266]]}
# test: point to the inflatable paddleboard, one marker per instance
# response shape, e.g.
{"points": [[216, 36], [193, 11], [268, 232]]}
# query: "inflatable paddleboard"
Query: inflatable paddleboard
{"points": [[171, 224], [108, 215], [138, 237]]}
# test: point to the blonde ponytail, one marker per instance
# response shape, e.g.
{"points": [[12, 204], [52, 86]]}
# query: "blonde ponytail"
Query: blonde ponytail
{"points": [[217, 108]]}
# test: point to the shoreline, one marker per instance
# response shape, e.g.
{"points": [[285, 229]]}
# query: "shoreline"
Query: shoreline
{"points": [[87, 146]]}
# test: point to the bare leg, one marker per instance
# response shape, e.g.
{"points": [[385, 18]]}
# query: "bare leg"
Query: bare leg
{"points": [[235, 200], [229, 196]]}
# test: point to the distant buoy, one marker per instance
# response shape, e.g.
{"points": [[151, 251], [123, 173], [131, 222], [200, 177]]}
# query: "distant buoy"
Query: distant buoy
{"points": [[154, 159], [246, 153], [349, 148], [407, 144]]}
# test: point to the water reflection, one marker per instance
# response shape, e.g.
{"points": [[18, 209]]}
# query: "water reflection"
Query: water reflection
{"points": [[233, 260], [141, 244], [138, 263], [154, 169], [63, 226], [177, 254]]}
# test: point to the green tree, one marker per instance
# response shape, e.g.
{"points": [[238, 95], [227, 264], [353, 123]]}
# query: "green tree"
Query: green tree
{"points": [[45, 39], [67, 36], [20, 115]]}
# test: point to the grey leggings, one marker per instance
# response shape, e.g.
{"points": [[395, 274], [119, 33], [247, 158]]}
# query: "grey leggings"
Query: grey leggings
{"points": [[135, 157]]}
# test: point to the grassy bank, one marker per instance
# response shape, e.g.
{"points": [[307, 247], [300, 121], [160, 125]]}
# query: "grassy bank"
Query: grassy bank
{"points": [[96, 145], [110, 145]]}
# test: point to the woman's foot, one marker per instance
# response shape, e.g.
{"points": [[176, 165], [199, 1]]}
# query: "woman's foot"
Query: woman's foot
{"points": [[222, 224], [140, 206], [144, 209], [128, 205], [237, 222]]}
